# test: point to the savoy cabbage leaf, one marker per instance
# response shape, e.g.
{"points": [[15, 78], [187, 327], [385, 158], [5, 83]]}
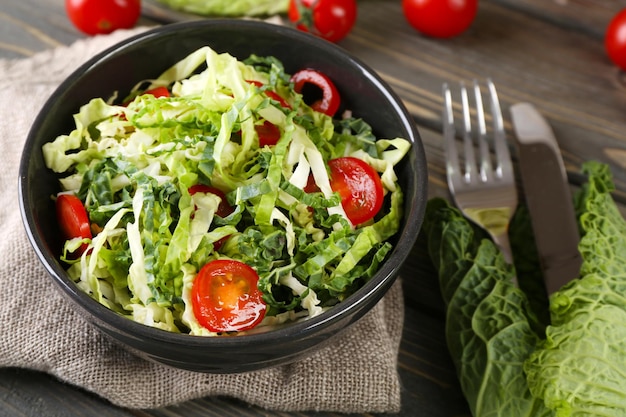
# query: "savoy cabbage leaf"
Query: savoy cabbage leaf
{"points": [[489, 326], [232, 8], [579, 369], [509, 360]]}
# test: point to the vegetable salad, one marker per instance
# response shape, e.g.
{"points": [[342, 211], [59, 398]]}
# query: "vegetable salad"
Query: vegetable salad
{"points": [[191, 209]]}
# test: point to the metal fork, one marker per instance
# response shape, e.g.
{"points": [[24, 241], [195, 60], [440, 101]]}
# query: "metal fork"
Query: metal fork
{"points": [[485, 194]]}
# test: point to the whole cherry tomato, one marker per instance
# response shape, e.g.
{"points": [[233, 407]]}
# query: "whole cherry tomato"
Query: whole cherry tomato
{"points": [[225, 296], [328, 19], [440, 18], [615, 39], [73, 219], [359, 186], [103, 16]]}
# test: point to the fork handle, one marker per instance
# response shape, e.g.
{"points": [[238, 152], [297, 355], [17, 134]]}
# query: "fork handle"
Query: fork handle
{"points": [[502, 241]]}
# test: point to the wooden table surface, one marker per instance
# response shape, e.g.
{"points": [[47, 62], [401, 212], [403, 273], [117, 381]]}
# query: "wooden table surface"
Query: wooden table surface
{"points": [[546, 52]]}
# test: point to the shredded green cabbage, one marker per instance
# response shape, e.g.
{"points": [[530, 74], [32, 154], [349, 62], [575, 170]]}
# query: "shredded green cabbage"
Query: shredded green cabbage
{"points": [[132, 165]]}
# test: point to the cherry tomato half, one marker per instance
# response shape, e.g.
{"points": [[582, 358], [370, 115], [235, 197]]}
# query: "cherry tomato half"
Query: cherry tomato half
{"points": [[103, 16], [272, 94], [615, 39], [311, 186], [158, 92], [268, 133], [359, 186], [330, 99], [329, 19], [223, 209], [73, 219], [440, 18], [225, 296]]}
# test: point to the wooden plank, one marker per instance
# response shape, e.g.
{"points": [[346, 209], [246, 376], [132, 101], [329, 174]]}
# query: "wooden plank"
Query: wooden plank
{"points": [[524, 66], [33, 394], [587, 16], [545, 51]]}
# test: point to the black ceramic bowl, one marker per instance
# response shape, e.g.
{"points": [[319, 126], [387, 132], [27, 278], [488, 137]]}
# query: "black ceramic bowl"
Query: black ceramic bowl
{"points": [[146, 56]]}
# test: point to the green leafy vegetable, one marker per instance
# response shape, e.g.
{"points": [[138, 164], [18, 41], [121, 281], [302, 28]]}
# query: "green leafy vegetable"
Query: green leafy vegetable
{"points": [[132, 166], [508, 362], [579, 369], [488, 328], [229, 7]]}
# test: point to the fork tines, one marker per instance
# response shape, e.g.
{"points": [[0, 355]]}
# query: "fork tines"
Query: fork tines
{"points": [[473, 171], [484, 190]]}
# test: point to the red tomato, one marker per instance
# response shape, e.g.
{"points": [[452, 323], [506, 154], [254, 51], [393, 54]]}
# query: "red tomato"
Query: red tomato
{"points": [[328, 19], [73, 219], [359, 186], [272, 94], [268, 134], [615, 39], [440, 18], [311, 186], [223, 209], [103, 16], [225, 296], [330, 101], [158, 92]]}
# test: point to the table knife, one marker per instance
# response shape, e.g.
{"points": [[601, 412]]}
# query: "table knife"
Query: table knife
{"points": [[548, 196]]}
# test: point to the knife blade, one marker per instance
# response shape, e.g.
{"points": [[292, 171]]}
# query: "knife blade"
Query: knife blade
{"points": [[548, 196]]}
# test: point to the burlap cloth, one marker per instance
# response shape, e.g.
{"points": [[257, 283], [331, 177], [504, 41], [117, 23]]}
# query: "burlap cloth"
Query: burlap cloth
{"points": [[358, 373]]}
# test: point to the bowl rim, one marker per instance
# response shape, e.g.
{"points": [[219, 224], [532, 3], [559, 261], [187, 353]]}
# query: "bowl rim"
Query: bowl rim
{"points": [[369, 292]]}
